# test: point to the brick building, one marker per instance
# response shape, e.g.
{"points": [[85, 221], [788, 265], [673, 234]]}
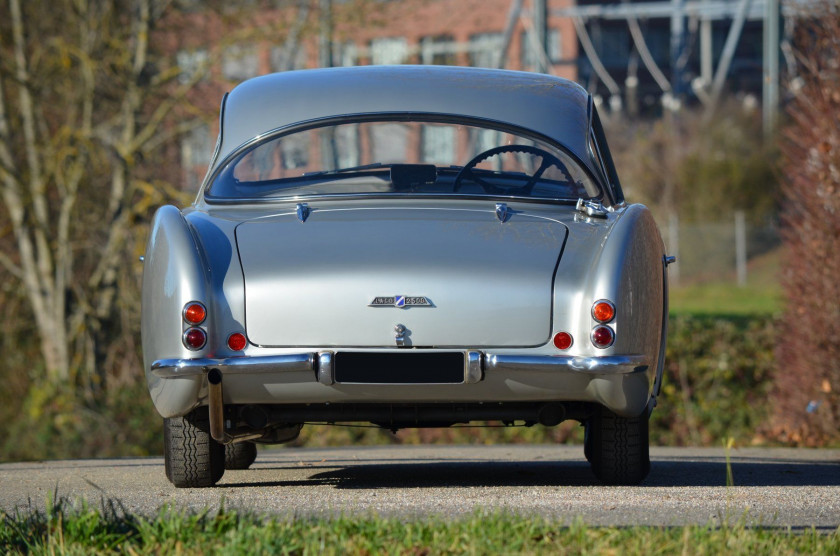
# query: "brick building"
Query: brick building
{"points": [[264, 38]]}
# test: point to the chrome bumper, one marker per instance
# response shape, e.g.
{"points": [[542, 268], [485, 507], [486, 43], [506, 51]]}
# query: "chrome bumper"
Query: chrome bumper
{"points": [[476, 363]]}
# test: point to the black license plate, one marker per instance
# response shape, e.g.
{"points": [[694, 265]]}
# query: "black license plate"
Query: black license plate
{"points": [[399, 368]]}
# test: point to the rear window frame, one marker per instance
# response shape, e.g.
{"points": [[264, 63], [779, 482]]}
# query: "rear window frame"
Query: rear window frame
{"points": [[390, 117]]}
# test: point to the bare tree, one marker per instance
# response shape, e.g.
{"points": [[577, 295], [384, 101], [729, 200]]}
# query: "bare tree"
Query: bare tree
{"points": [[82, 101]]}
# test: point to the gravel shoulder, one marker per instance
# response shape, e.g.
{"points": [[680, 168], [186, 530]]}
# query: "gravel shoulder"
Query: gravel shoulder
{"points": [[772, 487]]}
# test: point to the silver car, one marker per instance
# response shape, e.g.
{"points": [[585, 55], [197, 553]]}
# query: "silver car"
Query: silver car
{"points": [[408, 247]]}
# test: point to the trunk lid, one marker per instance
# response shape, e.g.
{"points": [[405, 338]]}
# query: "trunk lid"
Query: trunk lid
{"points": [[329, 281]]}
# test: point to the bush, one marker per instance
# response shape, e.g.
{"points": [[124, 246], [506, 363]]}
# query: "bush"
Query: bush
{"points": [[717, 378], [807, 385], [701, 169]]}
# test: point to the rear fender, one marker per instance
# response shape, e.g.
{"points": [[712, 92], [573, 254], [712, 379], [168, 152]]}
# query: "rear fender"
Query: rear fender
{"points": [[624, 264], [175, 272]]}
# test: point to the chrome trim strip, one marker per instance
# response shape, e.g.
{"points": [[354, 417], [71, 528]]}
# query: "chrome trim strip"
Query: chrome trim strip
{"points": [[168, 368], [606, 365], [475, 363]]}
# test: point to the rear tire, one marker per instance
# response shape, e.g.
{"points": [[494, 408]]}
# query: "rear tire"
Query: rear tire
{"points": [[240, 455], [191, 457], [617, 447]]}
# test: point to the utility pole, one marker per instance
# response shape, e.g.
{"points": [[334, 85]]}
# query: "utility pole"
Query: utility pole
{"points": [[540, 26], [325, 50], [329, 153], [507, 36], [706, 50], [770, 90], [677, 45]]}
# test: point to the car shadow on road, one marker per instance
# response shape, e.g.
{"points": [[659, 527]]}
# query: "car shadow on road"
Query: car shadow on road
{"points": [[669, 473]]}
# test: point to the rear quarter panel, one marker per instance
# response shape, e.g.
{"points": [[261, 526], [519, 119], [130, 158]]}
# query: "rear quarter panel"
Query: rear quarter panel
{"points": [[189, 257], [619, 259]]}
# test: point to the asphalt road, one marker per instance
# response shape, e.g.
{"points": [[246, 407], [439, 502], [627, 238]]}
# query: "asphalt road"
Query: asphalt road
{"points": [[772, 487]]}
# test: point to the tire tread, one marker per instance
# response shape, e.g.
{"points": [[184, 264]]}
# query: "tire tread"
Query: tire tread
{"points": [[619, 448], [240, 455], [192, 458]]}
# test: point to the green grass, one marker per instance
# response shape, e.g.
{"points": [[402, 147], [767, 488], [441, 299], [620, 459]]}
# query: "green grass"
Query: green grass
{"points": [[61, 530], [725, 299], [762, 295]]}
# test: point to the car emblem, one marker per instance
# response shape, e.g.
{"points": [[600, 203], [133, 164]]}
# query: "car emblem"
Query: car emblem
{"points": [[400, 301], [399, 334]]}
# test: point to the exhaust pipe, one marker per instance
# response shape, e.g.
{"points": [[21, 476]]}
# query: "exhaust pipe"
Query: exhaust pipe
{"points": [[216, 407]]}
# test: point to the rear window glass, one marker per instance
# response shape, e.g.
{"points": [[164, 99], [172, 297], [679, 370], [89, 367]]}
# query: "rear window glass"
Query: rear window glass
{"points": [[398, 157]]}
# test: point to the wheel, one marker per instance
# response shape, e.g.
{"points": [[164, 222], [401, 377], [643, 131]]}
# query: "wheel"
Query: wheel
{"points": [[617, 447], [240, 455], [587, 442], [191, 457]]}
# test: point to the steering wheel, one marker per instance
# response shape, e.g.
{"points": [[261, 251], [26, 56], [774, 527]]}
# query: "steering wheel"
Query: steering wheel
{"points": [[548, 160]]}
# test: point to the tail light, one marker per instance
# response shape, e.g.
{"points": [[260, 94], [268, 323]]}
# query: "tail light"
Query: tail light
{"points": [[237, 341], [195, 338], [603, 336], [563, 340], [194, 312], [603, 311]]}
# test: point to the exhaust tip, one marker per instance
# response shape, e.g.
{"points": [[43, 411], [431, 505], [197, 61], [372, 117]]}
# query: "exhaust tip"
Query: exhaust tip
{"points": [[214, 376]]}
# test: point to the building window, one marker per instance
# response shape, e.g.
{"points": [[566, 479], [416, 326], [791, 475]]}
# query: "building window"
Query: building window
{"points": [[485, 49], [391, 50], [438, 144], [345, 53], [192, 63], [196, 152], [282, 59], [240, 62], [613, 43], [389, 142], [440, 50], [555, 46], [295, 150], [347, 146], [530, 46], [481, 140]]}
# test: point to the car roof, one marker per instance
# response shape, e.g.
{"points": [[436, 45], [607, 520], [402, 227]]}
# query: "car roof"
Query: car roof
{"points": [[551, 106]]}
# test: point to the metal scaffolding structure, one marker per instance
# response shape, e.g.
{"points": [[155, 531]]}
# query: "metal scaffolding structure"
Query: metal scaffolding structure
{"points": [[702, 13]]}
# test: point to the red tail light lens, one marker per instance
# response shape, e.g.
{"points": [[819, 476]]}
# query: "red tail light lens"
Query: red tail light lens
{"points": [[603, 336], [237, 341], [563, 340], [603, 311], [195, 313], [195, 338]]}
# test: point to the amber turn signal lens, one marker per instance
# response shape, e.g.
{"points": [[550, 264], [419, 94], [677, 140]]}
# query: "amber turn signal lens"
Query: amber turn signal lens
{"points": [[603, 336], [195, 313], [563, 340], [195, 338], [603, 311], [237, 341]]}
